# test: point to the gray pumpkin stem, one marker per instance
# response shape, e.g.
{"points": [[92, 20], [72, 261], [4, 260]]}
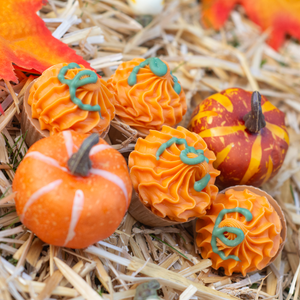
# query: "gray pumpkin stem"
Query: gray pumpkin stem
{"points": [[255, 120], [79, 163]]}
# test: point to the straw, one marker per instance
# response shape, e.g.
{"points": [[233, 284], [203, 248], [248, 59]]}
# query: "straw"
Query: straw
{"points": [[107, 33]]}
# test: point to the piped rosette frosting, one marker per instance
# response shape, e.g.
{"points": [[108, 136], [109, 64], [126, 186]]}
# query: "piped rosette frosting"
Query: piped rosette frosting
{"points": [[147, 94], [172, 173], [240, 233], [71, 97]]}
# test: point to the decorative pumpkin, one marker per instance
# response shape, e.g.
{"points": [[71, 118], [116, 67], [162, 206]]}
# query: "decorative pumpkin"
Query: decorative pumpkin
{"points": [[243, 231], [69, 96], [246, 132], [148, 96], [72, 189], [173, 175], [146, 7]]}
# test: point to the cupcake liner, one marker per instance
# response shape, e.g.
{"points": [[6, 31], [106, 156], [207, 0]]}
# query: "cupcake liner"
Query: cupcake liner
{"points": [[32, 126], [120, 132], [145, 216], [272, 201]]}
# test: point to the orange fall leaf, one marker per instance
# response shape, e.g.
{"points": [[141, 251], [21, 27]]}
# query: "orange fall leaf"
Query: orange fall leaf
{"points": [[282, 16], [26, 42]]}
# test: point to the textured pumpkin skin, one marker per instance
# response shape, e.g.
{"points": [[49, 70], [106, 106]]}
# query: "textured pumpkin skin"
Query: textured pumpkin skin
{"points": [[51, 214], [242, 157]]}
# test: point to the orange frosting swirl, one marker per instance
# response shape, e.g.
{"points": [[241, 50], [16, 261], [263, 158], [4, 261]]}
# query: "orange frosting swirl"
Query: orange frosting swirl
{"points": [[151, 102], [262, 234], [166, 185], [51, 103]]}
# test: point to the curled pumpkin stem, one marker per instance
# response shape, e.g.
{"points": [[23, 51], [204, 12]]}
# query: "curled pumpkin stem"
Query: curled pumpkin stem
{"points": [[79, 163], [255, 120]]}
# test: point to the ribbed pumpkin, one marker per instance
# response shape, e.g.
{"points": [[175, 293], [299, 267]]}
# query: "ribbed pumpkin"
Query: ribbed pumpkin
{"points": [[72, 189], [246, 132]]}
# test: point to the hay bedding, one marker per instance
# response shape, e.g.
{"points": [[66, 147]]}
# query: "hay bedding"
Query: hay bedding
{"points": [[106, 33]]}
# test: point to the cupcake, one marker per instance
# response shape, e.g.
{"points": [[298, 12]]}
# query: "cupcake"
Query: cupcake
{"points": [[67, 97], [173, 177], [243, 231], [148, 96]]}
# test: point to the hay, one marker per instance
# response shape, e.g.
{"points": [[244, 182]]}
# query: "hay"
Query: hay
{"points": [[106, 33]]}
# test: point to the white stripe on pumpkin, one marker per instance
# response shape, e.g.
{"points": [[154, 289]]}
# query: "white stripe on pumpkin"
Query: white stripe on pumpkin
{"points": [[36, 195], [68, 142], [46, 159], [105, 174], [98, 148], [77, 208]]}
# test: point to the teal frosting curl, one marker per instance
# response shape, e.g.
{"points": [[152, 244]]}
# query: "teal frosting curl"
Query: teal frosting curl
{"points": [[77, 82], [219, 232], [200, 158], [158, 67]]}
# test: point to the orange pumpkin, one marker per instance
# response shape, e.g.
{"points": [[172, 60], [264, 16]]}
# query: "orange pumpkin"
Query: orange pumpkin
{"points": [[247, 134], [72, 189]]}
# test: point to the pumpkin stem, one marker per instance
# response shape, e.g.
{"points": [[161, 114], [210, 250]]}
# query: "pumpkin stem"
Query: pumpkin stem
{"points": [[79, 163], [255, 120]]}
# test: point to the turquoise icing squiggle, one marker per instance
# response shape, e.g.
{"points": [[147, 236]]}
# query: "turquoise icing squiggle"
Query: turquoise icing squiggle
{"points": [[219, 232], [77, 82], [158, 67], [200, 158]]}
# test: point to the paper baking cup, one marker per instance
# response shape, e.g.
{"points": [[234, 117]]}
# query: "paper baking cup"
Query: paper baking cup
{"points": [[145, 216]]}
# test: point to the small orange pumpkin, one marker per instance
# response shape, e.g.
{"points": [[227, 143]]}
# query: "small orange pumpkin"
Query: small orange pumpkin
{"points": [[72, 189], [247, 134]]}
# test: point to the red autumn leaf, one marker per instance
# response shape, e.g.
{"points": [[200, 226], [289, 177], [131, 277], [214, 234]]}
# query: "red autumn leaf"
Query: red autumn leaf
{"points": [[26, 41], [283, 16]]}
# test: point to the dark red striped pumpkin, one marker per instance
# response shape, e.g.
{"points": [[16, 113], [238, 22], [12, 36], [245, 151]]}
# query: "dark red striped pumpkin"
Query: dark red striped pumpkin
{"points": [[247, 134]]}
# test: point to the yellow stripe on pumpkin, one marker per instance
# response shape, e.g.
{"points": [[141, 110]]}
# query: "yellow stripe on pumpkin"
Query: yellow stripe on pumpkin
{"points": [[221, 131], [223, 100], [256, 154], [203, 114], [269, 171], [278, 131], [220, 157], [231, 92], [268, 106]]}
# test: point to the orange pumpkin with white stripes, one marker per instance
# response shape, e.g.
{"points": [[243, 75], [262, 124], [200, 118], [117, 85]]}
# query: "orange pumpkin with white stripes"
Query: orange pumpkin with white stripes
{"points": [[247, 134], [72, 189]]}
